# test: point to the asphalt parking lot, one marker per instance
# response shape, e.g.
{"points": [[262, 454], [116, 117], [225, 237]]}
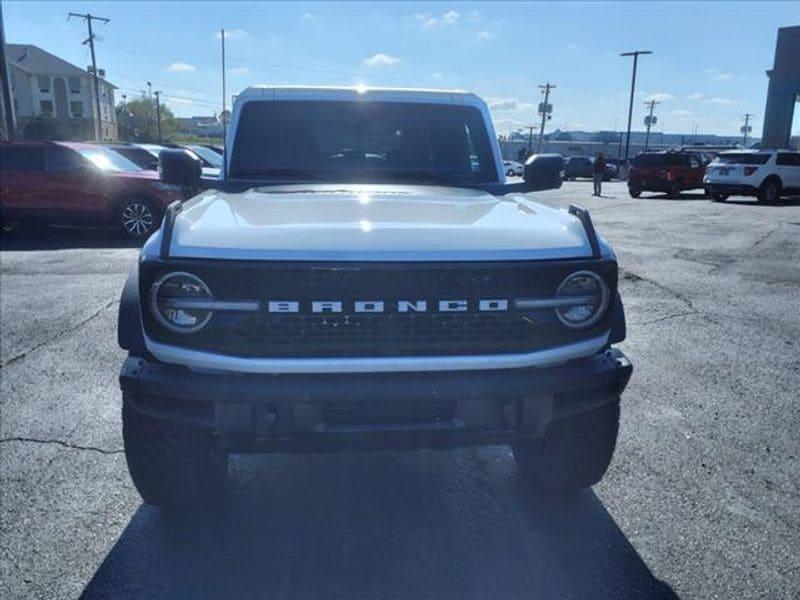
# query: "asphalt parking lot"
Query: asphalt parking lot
{"points": [[702, 499]]}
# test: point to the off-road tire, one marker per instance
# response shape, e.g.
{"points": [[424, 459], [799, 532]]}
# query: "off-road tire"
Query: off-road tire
{"points": [[718, 197], [674, 190], [172, 466], [770, 191], [575, 452], [132, 208], [634, 191]]}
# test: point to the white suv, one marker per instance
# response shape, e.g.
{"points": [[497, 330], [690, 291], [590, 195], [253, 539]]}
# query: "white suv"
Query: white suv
{"points": [[767, 174]]}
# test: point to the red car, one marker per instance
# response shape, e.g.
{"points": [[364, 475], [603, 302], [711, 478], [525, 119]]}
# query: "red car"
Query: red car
{"points": [[50, 183], [670, 172]]}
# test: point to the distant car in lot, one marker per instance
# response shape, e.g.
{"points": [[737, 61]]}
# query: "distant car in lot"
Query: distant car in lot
{"points": [[668, 171], [768, 175], [583, 166], [209, 159], [139, 156], [578, 166], [55, 183], [513, 168]]}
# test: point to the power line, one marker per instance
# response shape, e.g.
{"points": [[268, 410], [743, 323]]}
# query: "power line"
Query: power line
{"points": [[90, 40]]}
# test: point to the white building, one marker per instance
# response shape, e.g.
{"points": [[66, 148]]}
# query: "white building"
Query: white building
{"points": [[43, 85]]}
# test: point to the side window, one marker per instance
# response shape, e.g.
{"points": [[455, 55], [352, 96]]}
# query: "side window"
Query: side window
{"points": [[21, 158], [64, 161], [788, 159]]}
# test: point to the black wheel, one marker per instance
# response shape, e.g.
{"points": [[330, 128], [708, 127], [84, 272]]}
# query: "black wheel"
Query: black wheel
{"points": [[718, 196], [634, 191], [510, 173], [171, 465], [138, 217], [575, 452], [770, 191], [674, 190]]}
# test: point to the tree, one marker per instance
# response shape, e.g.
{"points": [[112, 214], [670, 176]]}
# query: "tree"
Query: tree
{"points": [[136, 121]]}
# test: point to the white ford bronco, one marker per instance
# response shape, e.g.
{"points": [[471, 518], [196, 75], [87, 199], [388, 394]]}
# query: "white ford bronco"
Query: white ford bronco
{"points": [[361, 277]]}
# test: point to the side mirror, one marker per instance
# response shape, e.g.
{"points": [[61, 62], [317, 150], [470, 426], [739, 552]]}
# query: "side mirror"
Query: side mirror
{"points": [[543, 172], [179, 167]]}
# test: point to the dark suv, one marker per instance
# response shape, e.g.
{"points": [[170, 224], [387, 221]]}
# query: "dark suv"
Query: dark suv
{"points": [[55, 183], [670, 172]]}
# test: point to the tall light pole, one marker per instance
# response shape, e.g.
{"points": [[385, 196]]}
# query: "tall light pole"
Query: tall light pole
{"points": [[635, 54], [546, 110], [157, 94], [649, 120]]}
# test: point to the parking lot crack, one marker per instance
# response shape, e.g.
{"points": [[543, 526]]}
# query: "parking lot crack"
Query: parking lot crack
{"points": [[765, 237], [61, 443], [58, 335]]}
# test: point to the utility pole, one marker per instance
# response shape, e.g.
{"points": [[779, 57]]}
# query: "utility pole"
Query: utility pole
{"points": [[746, 128], [649, 120], [530, 139], [90, 40], [158, 113], [9, 120], [635, 54], [546, 110], [224, 93]]}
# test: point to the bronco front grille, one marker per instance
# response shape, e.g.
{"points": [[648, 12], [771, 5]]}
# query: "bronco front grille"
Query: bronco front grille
{"points": [[274, 335]]}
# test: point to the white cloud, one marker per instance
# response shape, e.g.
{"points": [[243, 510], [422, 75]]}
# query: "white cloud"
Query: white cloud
{"points": [[571, 45], [239, 70], [507, 104], [696, 96], [381, 60], [451, 17], [181, 67], [718, 100], [307, 16], [474, 16], [232, 34], [660, 97], [717, 74], [484, 35], [429, 21], [437, 75], [680, 113]]}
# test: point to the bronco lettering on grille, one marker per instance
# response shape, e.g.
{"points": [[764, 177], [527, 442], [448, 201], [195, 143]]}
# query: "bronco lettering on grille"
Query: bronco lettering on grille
{"points": [[381, 306]]}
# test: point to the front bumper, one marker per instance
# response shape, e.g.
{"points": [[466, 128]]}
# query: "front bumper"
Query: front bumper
{"points": [[363, 411]]}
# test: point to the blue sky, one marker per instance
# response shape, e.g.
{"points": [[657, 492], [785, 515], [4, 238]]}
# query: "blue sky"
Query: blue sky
{"points": [[708, 65]]}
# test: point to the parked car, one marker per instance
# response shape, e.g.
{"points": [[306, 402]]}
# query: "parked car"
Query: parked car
{"points": [[513, 168], [768, 175], [51, 183], [665, 171], [211, 160], [578, 166], [373, 286], [144, 159]]}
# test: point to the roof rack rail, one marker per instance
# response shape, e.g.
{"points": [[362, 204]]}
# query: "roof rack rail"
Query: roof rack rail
{"points": [[166, 228], [583, 216]]}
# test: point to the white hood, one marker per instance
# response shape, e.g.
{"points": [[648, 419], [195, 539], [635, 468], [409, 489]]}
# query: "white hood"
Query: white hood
{"points": [[372, 222]]}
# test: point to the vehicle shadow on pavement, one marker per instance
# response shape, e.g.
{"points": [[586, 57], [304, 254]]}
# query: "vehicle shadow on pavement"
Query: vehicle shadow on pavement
{"points": [[379, 525], [63, 238]]}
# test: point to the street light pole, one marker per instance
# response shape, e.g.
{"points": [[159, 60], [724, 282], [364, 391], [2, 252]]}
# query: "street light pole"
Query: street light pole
{"points": [[649, 121], [635, 54], [158, 113]]}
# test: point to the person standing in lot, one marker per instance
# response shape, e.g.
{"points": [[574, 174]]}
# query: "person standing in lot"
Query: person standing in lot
{"points": [[599, 171]]}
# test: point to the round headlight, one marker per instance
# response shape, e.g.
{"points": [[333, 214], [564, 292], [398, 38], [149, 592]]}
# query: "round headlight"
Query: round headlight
{"points": [[590, 294], [177, 301]]}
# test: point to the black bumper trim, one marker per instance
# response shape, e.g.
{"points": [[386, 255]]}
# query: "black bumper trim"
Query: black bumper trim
{"points": [[292, 412], [733, 189]]}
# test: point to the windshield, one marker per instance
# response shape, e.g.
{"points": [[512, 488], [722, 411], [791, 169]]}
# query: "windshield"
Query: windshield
{"points": [[138, 156], [108, 160], [362, 141], [742, 158], [208, 156]]}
